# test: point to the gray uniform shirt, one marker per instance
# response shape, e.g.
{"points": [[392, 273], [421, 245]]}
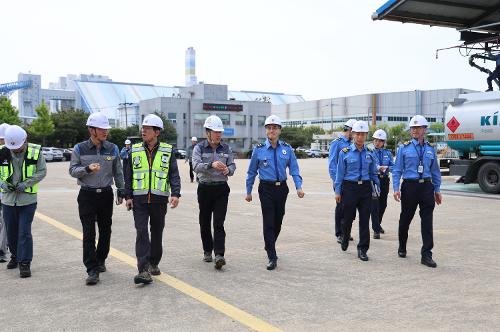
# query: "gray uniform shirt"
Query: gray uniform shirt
{"points": [[204, 156], [23, 198], [108, 156]]}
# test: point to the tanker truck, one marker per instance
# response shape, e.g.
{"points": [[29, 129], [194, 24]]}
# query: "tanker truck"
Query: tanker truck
{"points": [[472, 127]]}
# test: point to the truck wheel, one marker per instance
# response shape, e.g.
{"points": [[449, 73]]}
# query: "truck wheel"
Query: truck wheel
{"points": [[489, 177]]}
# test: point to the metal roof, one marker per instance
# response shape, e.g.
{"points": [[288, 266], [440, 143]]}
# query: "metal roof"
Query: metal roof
{"points": [[474, 15], [106, 96]]}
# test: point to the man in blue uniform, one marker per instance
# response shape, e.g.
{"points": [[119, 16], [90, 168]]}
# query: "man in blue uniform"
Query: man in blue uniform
{"points": [[417, 164], [354, 183], [335, 147], [385, 164], [270, 160]]}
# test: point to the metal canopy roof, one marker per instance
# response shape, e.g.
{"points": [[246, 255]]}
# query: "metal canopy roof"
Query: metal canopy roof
{"points": [[477, 15]]}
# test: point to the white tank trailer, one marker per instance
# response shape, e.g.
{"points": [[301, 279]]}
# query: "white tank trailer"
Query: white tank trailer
{"points": [[472, 127]]}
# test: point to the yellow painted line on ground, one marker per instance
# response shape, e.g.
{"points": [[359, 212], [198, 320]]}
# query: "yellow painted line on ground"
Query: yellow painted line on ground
{"points": [[225, 308]]}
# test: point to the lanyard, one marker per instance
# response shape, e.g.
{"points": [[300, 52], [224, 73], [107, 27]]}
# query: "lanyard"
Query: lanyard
{"points": [[276, 164], [360, 165], [421, 153]]}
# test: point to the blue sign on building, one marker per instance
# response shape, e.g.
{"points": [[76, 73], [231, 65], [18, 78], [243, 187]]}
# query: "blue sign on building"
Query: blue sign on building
{"points": [[228, 131]]}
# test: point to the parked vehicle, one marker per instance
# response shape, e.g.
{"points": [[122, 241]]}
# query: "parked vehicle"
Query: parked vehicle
{"points": [[472, 129], [48, 154], [67, 153], [180, 154], [57, 153], [314, 153]]}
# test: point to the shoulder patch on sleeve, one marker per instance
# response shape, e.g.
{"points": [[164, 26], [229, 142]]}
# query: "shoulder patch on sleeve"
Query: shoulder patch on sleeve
{"points": [[285, 143], [345, 149]]}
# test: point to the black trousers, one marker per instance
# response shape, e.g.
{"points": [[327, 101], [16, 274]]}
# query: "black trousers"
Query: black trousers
{"points": [[379, 205], [212, 201], [95, 207], [191, 174], [415, 194], [357, 196], [149, 250], [338, 219], [272, 202]]}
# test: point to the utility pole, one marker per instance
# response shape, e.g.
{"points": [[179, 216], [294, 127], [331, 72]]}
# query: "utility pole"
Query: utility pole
{"points": [[125, 104]]}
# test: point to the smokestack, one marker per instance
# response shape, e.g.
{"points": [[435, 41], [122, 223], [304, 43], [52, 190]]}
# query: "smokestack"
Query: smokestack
{"points": [[190, 67]]}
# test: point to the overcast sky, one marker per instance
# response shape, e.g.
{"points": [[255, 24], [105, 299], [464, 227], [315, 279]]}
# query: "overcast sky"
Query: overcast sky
{"points": [[317, 48]]}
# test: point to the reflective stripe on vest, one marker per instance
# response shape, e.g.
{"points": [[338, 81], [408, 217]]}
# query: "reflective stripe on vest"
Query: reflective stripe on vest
{"points": [[154, 180], [28, 168]]}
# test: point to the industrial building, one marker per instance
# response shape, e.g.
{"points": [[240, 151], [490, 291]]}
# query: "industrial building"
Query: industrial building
{"points": [[388, 108]]}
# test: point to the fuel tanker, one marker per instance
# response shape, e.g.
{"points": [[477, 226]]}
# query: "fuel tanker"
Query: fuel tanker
{"points": [[472, 127]]}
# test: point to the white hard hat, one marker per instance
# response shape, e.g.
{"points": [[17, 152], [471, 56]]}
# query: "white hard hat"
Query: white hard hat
{"points": [[3, 127], [127, 141], [360, 127], [380, 134], [349, 123], [194, 139], [214, 123], [418, 121], [98, 120], [15, 137], [153, 120], [273, 119]]}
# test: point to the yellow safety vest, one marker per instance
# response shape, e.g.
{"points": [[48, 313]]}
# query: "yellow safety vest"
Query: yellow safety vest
{"points": [[154, 179], [28, 169]]}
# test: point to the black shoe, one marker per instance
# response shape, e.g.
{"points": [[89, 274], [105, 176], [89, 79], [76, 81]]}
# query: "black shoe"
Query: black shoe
{"points": [[12, 264], [154, 270], [401, 253], [428, 261], [143, 277], [219, 262], [362, 255], [101, 267], [24, 270], [376, 236], [382, 230], [207, 257], [339, 239], [350, 238], [489, 89], [3, 258], [345, 243], [273, 263], [93, 278]]}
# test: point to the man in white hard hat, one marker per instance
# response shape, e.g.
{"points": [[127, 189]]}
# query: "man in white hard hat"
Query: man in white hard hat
{"points": [[152, 181], [356, 181], [335, 147], [189, 157], [96, 164], [270, 160], [417, 163], [385, 163], [3, 231], [213, 162], [22, 168], [126, 149]]}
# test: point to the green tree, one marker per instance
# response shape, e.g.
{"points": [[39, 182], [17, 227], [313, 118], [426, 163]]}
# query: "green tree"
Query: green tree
{"points": [[119, 135], [8, 113], [71, 128], [300, 136], [436, 127], [397, 135], [42, 126]]}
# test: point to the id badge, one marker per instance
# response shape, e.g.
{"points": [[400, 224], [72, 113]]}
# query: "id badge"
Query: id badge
{"points": [[420, 169]]}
